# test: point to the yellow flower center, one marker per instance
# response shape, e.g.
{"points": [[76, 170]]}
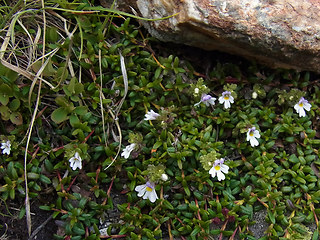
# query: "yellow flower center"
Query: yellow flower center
{"points": [[226, 97], [149, 189], [217, 168], [300, 104], [251, 134]]}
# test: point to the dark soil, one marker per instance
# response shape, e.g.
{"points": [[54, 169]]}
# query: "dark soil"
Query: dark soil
{"points": [[14, 228]]}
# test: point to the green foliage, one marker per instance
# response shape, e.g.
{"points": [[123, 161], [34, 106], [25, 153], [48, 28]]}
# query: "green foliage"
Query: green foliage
{"points": [[89, 106]]}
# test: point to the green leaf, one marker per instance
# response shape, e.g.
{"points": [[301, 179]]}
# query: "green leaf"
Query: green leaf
{"points": [[78, 88], [5, 93], [5, 113], [47, 71], [168, 205], [4, 98], [315, 235], [157, 145], [48, 165], [271, 217], [71, 85], [12, 173], [59, 115], [32, 175], [81, 110], [14, 104], [195, 231], [45, 208], [74, 120], [45, 179], [16, 118]]}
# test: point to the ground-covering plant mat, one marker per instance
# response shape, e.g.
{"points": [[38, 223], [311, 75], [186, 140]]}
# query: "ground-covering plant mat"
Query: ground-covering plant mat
{"points": [[117, 136]]}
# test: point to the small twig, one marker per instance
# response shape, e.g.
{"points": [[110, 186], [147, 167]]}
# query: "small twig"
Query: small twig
{"points": [[68, 189], [169, 230], [34, 233], [223, 228], [108, 191], [114, 236], [17, 209], [86, 139], [234, 233]]}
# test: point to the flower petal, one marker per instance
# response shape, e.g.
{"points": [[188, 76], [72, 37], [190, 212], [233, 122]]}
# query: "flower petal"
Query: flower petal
{"points": [[220, 176], [224, 168], [227, 104], [256, 134], [141, 189], [153, 196], [212, 171], [302, 113], [221, 100], [307, 106], [297, 107], [254, 141]]}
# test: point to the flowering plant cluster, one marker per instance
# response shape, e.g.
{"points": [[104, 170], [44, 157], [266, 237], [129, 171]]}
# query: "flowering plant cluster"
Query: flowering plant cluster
{"points": [[124, 143], [219, 169]]}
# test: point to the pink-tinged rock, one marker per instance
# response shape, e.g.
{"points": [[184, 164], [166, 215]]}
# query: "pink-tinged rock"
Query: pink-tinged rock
{"points": [[278, 33]]}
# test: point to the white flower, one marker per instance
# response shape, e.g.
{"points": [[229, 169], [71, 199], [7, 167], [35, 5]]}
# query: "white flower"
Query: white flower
{"points": [[226, 99], [252, 136], [126, 152], [75, 162], [302, 105], [207, 100], [147, 191], [219, 169], [164, 177], [151, 115], [254, 95], [196, 90], [6, 146]]}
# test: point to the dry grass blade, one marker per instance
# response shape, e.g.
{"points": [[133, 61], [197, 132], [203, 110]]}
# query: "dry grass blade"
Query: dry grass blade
{"points": [[38, 75], [4, 235], [5, 43], [115, 116], [101, 100], [23, 72], [27, 201]]}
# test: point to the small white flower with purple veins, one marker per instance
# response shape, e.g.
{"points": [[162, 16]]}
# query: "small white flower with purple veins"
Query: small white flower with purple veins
{"points": [[76, 161], [151, 115], [226, 99], [127, 151], [252, 136], [6, 147], [147, 191], [301, 106], [219, 169], [207, 100]]}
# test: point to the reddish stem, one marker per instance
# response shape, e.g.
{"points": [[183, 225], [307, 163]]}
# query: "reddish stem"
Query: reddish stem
{"points": [[234, 234], [68, 189], [59, 177], [86, 139], [97, 173], [114, 236], [109, 189]]}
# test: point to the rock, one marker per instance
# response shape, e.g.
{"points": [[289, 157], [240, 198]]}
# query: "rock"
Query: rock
{"points": [[278, 33]]}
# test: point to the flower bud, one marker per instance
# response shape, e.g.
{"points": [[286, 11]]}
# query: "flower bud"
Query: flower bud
{"points": [[164, 177], [225, 211], [216, 220], [254, 95]]}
